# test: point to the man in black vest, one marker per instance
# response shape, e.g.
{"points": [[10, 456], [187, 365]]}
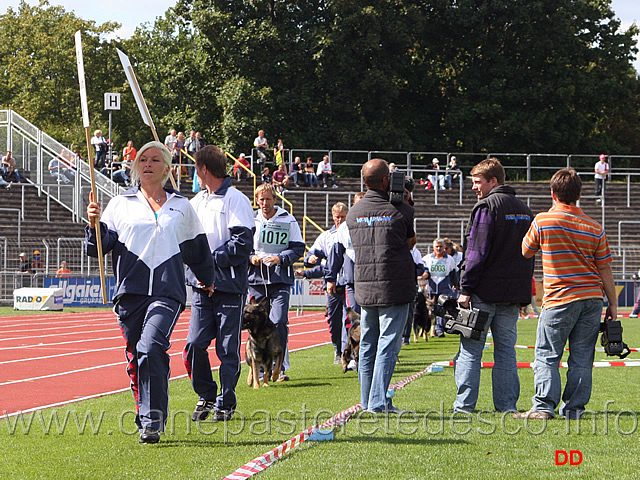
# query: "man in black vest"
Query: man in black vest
{"points": [[495, 278], [385, 283]]}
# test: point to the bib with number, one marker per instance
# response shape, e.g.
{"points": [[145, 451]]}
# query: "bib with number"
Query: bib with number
{"points": [[273, 237]]}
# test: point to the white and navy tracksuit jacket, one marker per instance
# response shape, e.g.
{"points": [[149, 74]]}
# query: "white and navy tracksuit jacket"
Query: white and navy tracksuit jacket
{"points": [[149, 250]]}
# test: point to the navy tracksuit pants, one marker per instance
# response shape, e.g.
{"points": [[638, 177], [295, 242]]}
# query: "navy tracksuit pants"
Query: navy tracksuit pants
{"points": [[146, 324], [217, 317]]}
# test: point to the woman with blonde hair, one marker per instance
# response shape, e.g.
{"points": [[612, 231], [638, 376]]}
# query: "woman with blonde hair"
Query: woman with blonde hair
{"points": [[151, 230]]}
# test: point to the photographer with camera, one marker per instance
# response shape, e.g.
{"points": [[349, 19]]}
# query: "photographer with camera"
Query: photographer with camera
{"points": [[496, 279], [385, 282], [576, 263]]}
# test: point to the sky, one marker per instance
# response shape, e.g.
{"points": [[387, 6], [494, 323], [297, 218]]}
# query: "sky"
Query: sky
{"points": [[131, 14]]}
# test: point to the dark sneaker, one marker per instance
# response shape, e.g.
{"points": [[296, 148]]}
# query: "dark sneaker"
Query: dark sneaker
{"points": [[202, 411], [149, 435], [222, 415]]}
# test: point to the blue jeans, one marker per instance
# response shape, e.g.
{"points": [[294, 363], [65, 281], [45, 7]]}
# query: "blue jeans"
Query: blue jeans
{"points": [[380, 341], [504, 375], [578, 322]]}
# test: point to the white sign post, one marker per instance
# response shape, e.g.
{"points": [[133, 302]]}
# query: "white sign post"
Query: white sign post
{"points": [[111, 102]]}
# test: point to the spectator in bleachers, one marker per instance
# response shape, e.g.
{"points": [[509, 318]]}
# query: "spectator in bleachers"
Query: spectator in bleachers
{"points": [[310, 177], [23, 278], [100, 145], [278, 153], [63, 271], [25, 263], [325, 172], [9, 171], [261, 143], [296, 172], [170, 140], [453, 174], [37, 265], [238, 171], [129, 150], [280, 179], [266, 178], [601, 171], [123, 173], [436, 179], [59, 169]]}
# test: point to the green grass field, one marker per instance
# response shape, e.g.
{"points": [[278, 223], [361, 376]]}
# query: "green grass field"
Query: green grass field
{"points": [[430, 442]]}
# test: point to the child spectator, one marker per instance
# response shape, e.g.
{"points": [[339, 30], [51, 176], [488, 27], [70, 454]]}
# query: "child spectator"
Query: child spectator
{"points": [[266, 178]]}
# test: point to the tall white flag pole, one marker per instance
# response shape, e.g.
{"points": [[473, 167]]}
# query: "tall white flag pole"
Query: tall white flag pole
{"points": [[85, 122], [142, 105]]}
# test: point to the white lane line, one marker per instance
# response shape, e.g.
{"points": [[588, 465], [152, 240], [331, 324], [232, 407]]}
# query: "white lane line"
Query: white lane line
{"points": [[70, 372], [94, 350], [96, 395]]}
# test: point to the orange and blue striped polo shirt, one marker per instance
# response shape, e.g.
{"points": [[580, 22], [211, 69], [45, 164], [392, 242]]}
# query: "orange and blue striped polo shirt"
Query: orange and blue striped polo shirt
{"points": [[572, 245]]}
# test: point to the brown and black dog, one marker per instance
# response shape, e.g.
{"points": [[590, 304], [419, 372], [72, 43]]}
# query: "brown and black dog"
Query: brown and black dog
{"points": [[263, 346], [352, 350], [423, 316]]}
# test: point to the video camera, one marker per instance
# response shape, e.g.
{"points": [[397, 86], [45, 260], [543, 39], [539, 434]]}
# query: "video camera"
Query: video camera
{"points": [[611, 338], [399, 184], [468, 322]]}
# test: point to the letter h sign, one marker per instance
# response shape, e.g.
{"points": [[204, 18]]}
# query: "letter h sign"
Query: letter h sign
{"points": [[112, 101]]}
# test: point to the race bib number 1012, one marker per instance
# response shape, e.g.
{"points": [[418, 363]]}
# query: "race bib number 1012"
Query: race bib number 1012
{"points": [[273, 237]]}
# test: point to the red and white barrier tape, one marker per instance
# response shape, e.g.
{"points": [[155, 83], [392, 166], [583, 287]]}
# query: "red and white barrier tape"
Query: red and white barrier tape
{"points": [[267, 459], [562, 364], [598, 349]]}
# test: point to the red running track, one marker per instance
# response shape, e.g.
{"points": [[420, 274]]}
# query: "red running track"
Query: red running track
{"points": [[52, 359]]}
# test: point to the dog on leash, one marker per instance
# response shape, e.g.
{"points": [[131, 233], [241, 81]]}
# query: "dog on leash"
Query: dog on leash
{"points": [[422, 316], [263, 346], [351, 354]]}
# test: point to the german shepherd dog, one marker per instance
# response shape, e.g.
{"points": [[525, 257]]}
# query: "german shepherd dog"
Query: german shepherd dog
{"points": [[263, 346], [352, 350], [423, 316]]}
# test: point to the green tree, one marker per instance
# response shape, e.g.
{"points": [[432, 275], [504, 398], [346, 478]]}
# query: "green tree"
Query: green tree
{"points": [[174, 76], [38, 68], [537, 76]]}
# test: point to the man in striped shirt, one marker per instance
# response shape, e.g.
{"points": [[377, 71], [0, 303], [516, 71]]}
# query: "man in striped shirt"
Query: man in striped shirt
{"points": [[576, 263]]}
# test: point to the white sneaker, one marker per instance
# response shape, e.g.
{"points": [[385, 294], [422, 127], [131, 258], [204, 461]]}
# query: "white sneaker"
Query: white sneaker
{"points": [[633, 315]]}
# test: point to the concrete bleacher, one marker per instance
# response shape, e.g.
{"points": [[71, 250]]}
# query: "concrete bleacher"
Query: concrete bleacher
{"points": [[60, 223], [535, 194]]}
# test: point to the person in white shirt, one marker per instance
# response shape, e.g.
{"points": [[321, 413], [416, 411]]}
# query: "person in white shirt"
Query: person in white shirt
{"points": [[601, 171], [326, 172], [101, 147]]}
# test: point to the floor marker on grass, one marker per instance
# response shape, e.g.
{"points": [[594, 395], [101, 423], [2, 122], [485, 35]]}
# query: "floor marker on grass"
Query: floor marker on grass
{"points": [[267, 459]]}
